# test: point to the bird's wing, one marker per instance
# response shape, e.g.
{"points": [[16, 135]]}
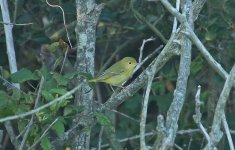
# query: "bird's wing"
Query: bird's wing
{"points": [[108, 74]]}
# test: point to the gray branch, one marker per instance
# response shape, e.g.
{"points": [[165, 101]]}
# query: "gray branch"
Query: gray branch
{"points": [[166, 140], [11, 60], [197, 117], [216, 134]]}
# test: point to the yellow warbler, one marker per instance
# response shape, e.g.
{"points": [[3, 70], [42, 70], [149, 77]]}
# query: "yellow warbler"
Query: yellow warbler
{"points": [[118, 73]]}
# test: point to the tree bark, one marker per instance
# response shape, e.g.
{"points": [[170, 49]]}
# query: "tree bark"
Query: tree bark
{"points": [[87, 16]]}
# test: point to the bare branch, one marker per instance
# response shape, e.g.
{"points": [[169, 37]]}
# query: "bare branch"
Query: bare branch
{"points": [[144, 110], [16, 24], [142, 47], [9, 38], [147, 58], [216, 133], [11, 134], [189, 32], [197, 117], [175, 20], [100, 137], [226, 128], [166, 139]]}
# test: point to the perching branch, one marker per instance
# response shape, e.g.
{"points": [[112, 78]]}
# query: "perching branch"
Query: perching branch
{"points": [[168, 51], [117, 98]]}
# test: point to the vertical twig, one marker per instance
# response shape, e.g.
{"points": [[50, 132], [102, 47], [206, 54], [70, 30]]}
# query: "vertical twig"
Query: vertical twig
{"points": [[144, 111], [175, 20], [28, 127], [197, 117], [142, 47], [226, 128], [11, 60], [9, 38], [100, 137]]}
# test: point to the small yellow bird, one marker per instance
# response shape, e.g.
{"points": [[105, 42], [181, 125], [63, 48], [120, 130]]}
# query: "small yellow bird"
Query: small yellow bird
{"points": [[118, 73]]}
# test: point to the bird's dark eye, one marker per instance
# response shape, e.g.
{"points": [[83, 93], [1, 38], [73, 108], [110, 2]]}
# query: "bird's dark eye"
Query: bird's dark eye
{"points": [[129, 62]]}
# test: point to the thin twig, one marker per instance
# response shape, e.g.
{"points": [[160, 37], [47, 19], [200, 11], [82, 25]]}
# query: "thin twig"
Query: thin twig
{"points": [[175, 20], [178, 147], [11, 133], [180, 132], [197, 117], [226, 128], [142, 47], [9, 38], [100, 137], [43, 134], [144, 111], [65, 57], [125, 115], [28, 127], [190, 142], [147, 58], [67, 33], [16, 24], [43, 106]]}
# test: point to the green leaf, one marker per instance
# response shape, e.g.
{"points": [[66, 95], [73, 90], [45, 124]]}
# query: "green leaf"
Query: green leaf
{"points": [[59, 91], [45, 143], [49, 84], [44, 72], [71, 109], [7, 104], [59, 128], [23, 75], [102, 119], [47, 95], [61, 80], [29, 98], [70, 75], [16, 94]]}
